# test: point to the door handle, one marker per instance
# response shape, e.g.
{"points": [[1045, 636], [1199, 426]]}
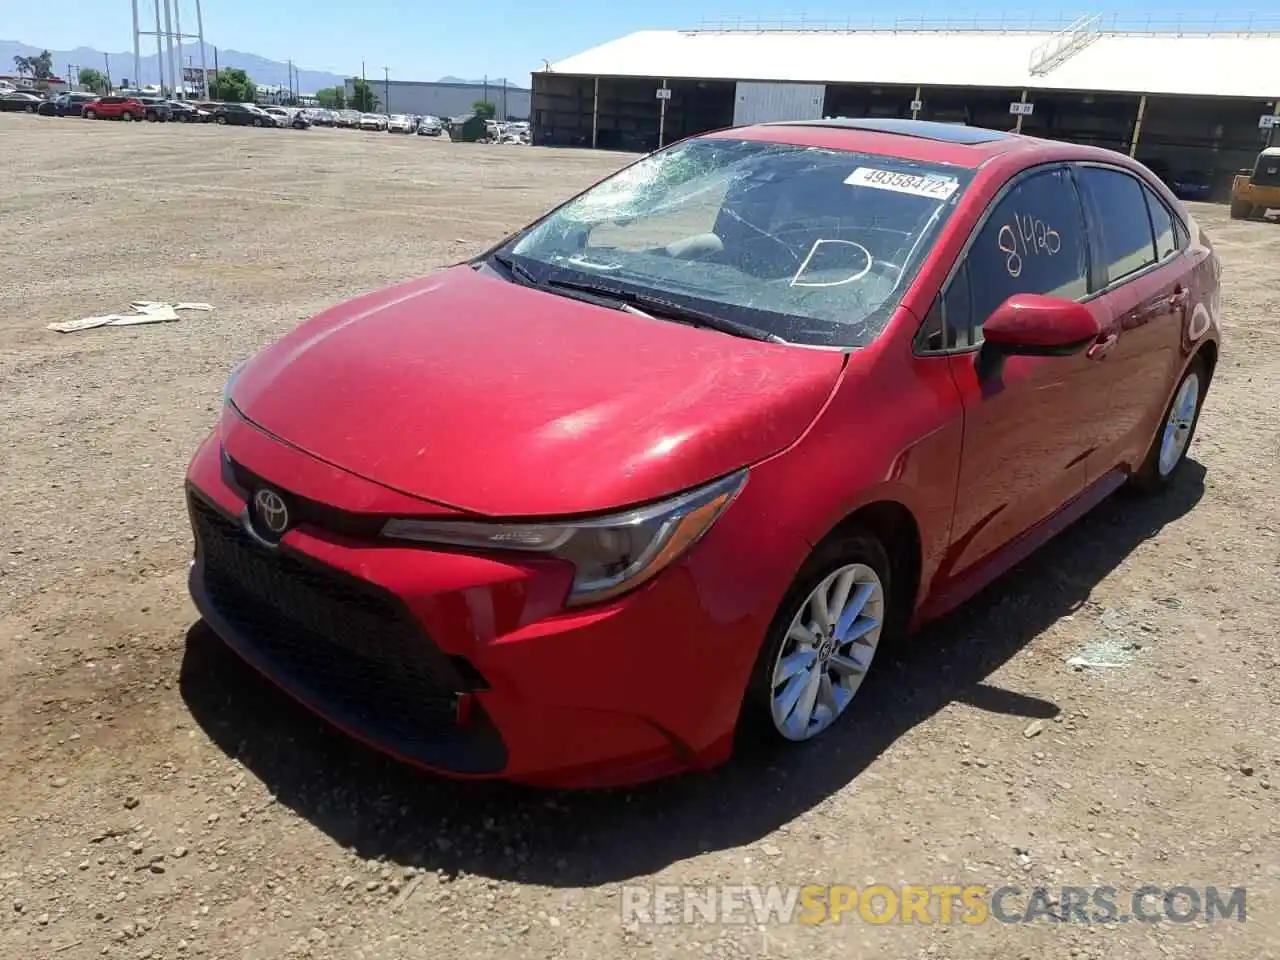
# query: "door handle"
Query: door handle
{"points": [[1178, 300], [1102, 347]]}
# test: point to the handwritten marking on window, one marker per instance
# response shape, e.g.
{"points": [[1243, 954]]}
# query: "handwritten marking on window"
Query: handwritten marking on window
{"points": [[1023, 237]]}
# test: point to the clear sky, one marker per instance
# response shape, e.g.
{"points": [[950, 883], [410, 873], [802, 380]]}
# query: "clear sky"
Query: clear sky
{"points": [[427, 39]]}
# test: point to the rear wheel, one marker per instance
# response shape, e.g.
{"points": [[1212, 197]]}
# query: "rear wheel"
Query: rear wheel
{"points": [[221, 120], [1241, 209], [89, 115], [31, 109], [822, 640], [1169, 448], [257, 121]]}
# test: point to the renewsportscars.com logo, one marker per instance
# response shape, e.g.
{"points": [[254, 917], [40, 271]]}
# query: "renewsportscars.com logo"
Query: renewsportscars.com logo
{"points": [[970, 904]]}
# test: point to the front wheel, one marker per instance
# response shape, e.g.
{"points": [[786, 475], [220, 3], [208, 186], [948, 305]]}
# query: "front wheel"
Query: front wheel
{"points": [[1169, 448], [126, 117], [31, 109], [822, 640], [1241, 209], [257, 123]]}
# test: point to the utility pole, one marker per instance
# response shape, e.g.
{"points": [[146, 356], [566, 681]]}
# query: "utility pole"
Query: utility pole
{"points": [[137, 42], [364, 86], [159, 49], [289, 63], [386, 86], [204, 72], [106, 59], [168, 46], [182, 60]]}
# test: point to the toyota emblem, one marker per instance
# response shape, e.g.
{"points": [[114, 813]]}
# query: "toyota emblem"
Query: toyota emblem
{"points": [[272, 511]]}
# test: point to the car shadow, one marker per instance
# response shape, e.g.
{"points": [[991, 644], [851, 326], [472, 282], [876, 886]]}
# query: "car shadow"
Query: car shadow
{"points": [[381, 809]]}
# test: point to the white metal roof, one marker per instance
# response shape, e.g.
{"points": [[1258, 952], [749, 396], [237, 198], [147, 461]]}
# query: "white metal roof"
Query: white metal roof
{"points": [[1240, 65]]}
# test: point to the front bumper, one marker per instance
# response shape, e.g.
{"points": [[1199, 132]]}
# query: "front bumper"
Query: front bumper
{"points": [[467, 665]]}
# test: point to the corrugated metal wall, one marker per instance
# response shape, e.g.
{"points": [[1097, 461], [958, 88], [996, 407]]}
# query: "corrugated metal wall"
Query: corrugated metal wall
{"points": [[758, 102], [448, 99]]}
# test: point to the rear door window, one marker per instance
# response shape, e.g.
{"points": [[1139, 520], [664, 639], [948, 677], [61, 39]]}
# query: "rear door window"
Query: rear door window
{"points": [[1123, 222], [1168, 240]]}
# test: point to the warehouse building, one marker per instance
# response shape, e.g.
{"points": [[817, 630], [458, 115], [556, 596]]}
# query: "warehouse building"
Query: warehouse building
{"points": [[1189, 104], [446, 99]]}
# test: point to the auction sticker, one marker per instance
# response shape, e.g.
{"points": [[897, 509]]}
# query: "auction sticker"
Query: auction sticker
{"points": [[935, 187]]}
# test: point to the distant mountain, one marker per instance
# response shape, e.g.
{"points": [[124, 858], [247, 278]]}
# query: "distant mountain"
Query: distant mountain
{"points": [[260, 69]]}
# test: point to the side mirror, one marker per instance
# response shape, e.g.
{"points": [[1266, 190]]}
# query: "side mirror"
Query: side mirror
{"points": [[1033, 325]]}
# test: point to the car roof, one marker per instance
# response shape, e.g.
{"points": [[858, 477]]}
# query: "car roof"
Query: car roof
{"points": [[1270, 152], [925, 141]]}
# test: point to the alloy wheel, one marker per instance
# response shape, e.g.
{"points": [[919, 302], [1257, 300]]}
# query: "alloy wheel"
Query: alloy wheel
{"points": [[827, 651], [1178, 425]]}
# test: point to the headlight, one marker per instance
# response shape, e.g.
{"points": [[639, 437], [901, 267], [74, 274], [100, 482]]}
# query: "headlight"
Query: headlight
{"points": [[610, 555]]}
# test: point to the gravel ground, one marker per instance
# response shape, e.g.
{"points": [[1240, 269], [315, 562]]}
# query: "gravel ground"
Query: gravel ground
{"points": [[159, 801]]}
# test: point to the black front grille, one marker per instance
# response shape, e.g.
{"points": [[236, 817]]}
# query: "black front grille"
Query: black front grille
{"points": [[344, 647]]}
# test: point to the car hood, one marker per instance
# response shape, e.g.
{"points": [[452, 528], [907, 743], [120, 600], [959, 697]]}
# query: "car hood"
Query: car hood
{"points": [[482, 395]]}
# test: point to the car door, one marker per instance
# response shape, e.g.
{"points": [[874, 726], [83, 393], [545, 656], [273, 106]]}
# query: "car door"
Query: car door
{"points": [[1027, 432], [1143, 272]]}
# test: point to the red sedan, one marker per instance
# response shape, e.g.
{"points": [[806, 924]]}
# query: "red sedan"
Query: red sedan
{"points": [[683, 454]]}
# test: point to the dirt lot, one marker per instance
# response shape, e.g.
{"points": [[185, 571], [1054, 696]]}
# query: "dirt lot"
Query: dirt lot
{"points": [[158, 801]]}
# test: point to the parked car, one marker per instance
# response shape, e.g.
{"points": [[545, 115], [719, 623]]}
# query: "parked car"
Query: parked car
{"points": [[430, 127], [20, 103], [184, 112], [157, 109], [114, 108], [321, 118], [65, 105], [399, 123], [898, 356], [348, 118], [1191, 185], [373, 121], [283, 117], [241, 115]]}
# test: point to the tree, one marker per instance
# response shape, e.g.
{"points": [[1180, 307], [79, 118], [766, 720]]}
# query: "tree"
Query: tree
{"points": [[93, 80], [484, 109], [332, 98], [232, 85], [362, 97], [39, 67]]}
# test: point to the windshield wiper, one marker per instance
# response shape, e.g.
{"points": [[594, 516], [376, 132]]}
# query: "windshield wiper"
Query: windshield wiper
{"points": [[512, 267], [663, 307]]}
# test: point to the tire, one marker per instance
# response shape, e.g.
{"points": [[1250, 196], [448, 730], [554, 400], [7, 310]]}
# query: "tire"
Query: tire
{"points": [[151, 116], [89, 115], [184, 118], [31, 109], [863, 558], [127, 117], [1162, 463], [257, 121], [1241, 210], [220, 120]]}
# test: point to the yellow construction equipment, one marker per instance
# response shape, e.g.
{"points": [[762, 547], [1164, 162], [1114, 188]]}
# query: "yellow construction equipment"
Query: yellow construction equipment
{"points": [[1254, 192]]}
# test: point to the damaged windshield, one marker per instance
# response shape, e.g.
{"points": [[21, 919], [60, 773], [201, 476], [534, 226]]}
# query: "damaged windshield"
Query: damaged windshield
{"points": [[803, 244]]}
